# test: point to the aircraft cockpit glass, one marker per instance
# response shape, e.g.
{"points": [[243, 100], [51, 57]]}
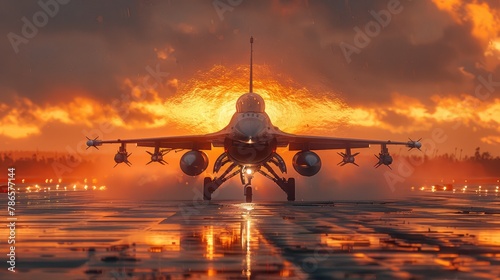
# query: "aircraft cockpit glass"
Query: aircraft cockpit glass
{"points": [[250, 102]]}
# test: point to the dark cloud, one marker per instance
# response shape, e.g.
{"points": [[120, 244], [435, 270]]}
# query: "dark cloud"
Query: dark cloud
{"points": [[90, 47], [397, 120]]}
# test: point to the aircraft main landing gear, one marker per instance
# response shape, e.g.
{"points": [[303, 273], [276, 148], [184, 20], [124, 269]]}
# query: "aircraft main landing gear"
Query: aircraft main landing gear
{"points": [[246, 174], [211, 185], [207, 188], [290, 189]]}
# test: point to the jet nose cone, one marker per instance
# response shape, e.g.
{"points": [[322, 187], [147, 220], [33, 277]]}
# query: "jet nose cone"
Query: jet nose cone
{"points": [[250, 127]]}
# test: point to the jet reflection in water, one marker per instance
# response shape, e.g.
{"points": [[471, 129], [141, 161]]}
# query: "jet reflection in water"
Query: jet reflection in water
{"points": [[75, 236], [228, 246], [220, 239], [246, 239]]}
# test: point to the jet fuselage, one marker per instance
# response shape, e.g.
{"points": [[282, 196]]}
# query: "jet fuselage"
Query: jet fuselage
{"points": [[251, 139]]}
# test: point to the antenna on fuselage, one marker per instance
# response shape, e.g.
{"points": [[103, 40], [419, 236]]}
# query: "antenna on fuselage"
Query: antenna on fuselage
{"points": [[251, 64]]}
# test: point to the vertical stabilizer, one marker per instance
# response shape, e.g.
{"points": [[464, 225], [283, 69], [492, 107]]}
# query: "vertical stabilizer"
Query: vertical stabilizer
{"points": [[251, 64]]}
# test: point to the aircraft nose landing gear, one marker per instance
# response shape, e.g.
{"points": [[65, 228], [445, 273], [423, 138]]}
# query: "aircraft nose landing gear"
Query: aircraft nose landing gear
{"points": [[248, 193], [246, 175]]}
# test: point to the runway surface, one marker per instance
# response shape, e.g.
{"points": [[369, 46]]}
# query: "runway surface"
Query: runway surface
{"points": [[74, 235]]}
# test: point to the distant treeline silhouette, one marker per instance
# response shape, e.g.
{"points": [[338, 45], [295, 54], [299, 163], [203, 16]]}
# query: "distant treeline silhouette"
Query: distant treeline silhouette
{"points": [[43, 164], [447, 165]]}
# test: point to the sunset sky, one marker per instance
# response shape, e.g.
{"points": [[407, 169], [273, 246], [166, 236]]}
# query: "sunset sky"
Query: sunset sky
{"points": [[366, 69]]}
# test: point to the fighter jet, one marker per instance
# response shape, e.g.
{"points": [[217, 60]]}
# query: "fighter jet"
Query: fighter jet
{"points": [[249, 143]]}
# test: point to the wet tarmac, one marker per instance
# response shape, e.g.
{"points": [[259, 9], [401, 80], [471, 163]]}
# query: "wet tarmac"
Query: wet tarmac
{"points": [[74, 235]]}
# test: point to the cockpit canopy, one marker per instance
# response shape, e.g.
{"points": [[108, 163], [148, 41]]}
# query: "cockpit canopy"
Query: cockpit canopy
{"points": [[250, 102]]}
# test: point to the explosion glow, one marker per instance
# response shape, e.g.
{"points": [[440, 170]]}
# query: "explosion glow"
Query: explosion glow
{"points": [[206, 103]]}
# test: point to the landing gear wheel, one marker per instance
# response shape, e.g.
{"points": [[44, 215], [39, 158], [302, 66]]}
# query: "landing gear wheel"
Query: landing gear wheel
{"points": [[248, 194], [290, 189], [207, 189]]}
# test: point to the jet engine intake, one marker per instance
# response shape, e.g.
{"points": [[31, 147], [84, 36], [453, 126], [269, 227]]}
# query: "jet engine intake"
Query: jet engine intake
{"points": [[306, 163], [193, 163]]}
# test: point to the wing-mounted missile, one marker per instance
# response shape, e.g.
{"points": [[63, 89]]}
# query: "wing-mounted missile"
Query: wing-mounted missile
{"points": [[347, 157], [157, 156], [93, 142], [122, 156], [384, 157], [414, 144]]}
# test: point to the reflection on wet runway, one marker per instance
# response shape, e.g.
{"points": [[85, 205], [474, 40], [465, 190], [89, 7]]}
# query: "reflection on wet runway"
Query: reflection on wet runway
{"points": [[72, 235]]}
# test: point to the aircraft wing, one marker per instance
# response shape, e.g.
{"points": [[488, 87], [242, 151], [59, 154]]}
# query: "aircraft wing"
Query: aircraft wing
{"points": [[304, 142], [193, 142]]}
